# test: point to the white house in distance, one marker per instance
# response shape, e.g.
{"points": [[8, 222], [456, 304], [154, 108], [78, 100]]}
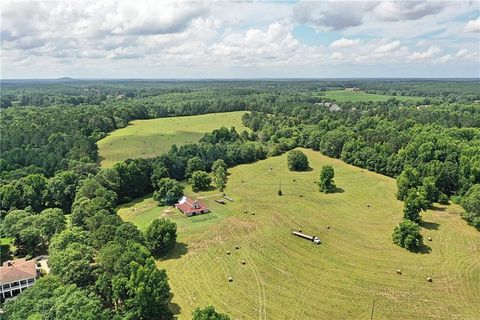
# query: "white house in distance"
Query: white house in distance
{"points": [[16, 276]]}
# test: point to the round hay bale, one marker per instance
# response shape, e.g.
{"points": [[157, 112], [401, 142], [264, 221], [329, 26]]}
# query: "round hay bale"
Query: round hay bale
{"points": [[228, 252], [429, 238], [301, 195], [399, 271], [243, 262], [245, 211], [230, 279], [299, 230], [294, 180], [328, 227], [429, 279], [271, 168], [237, 247], [368, 205]]}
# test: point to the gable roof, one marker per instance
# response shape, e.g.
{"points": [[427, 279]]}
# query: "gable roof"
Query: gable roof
{"points": [[16, 270], [187, 205]]}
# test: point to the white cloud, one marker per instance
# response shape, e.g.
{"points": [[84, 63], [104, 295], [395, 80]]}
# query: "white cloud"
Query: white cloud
{"points": [[344, 43], [422, 55], [444, 59], [276, 43], [408, 10], [160, 38], [461, 53], [473, 26], [330, 15], [388, 47]]}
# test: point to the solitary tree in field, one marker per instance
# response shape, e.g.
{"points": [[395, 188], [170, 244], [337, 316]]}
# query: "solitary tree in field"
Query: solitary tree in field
{"points": [[200, 180], [326, 183], [297, 161], [160, 236], [407, 235]]}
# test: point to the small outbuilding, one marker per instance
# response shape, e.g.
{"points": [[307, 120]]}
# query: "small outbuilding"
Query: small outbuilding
{"points": [[191, 207]]}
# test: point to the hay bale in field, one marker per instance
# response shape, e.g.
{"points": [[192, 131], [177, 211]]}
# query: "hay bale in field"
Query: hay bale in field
{"points": [[294, 180], [245, 211], [429, 238], [237, 247], [230, 279], [243, 262], [253, 213], [228, 252], [368, 205], [299, 230], [328, 227], [429, 279], [399, 271], [301, 195]]}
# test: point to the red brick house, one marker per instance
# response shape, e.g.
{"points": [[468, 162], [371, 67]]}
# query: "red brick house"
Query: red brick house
{"points": [[191, 207]]}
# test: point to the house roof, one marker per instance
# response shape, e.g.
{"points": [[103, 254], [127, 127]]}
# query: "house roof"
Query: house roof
{"points": [[15, 270], [187, 205]]}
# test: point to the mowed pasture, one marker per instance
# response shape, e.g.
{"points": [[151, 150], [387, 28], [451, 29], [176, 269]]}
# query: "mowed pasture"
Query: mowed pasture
{"points": [[286, 277], [153, 137], [354, 96]]}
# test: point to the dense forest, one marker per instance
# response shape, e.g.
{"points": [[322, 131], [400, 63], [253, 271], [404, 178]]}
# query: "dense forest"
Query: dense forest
{"points": [[49, 168]]}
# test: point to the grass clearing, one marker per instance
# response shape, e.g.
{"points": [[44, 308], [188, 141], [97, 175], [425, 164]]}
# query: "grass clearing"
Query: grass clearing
{"points": [[150, 138], [289, 277], [350, 95]]}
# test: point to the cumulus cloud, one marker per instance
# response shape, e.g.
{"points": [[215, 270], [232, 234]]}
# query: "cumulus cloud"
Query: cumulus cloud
{"points": [[277, 42], [149, 37], [408, 10], [388, 47], [444, 59], [472, 26], [422, 55], [344, 43], [330, 15]]}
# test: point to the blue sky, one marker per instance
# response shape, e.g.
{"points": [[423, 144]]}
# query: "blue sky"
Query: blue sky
{"points": [[221, 39]]}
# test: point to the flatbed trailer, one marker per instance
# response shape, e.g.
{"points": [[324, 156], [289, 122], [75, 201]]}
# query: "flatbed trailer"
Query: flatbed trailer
{"points": [[314, 239]]}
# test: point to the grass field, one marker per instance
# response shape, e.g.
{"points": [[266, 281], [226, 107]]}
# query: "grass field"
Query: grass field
{"points": [[150, 138], [286, 277], [344, 95]]}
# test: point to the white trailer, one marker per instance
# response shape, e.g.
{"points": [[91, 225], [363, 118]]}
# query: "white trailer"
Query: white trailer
{"points": [[314, 239]]}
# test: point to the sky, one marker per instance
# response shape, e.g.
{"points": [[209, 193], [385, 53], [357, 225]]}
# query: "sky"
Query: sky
{"points": [[241, 39]]}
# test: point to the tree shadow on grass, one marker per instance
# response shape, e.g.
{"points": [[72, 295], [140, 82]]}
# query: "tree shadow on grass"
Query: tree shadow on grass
{"points": [[177, 252], [436, 208], [429, 225], [424, 249], [174, 308], [338, 190]]}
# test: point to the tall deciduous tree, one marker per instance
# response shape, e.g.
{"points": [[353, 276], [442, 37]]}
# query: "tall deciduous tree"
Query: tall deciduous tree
{"points": [[326, 183], [407, 235], [160, 236], [200, 180], [168, 191], [297, 161]]}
